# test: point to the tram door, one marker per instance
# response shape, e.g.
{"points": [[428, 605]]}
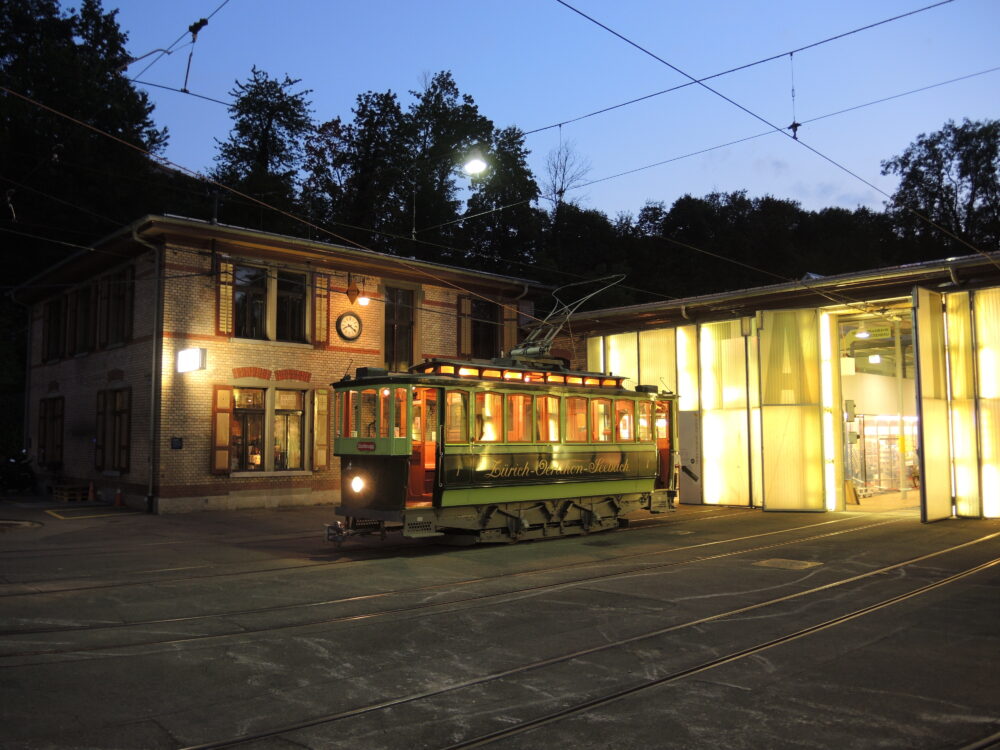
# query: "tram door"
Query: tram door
{"points": [[423, 458], [662, 426]]}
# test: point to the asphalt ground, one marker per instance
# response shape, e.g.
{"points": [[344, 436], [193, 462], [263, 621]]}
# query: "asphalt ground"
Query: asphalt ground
{"points": [[704, 628]]}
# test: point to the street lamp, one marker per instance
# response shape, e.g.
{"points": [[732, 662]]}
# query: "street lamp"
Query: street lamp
{"points": [[474, 165]]}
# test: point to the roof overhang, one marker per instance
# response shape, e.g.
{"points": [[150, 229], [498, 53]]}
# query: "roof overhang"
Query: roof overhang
{"points": [[204, 236], [853, 290]]}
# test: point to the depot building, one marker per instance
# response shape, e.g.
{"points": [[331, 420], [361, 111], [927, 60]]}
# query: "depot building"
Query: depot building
{"points": [[875, 389]]}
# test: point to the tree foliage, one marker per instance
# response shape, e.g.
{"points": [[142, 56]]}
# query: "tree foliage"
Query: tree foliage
{"points": [[65, 180], [263, 154], [952, 178]]}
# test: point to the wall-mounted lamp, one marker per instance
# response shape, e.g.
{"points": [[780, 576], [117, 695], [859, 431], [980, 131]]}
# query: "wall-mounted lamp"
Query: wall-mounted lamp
{"points": [[364, 299], [189, 360], [352, 289]]}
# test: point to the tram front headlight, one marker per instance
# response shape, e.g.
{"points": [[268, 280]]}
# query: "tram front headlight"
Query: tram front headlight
{"points": [[357, 483]]}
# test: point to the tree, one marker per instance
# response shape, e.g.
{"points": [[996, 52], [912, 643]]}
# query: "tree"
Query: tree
{"points": [[951, 178], [355, 173], [264, 152], [64, 180], [565, 169]]}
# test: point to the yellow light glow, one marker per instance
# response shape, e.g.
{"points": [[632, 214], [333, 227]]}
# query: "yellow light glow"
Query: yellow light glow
{"points": [[513, 375], [468, 372], [555, 379], [827, 374], [364, 300], [592, 381], [446, 369], [189, 360], [875, 359], [357, 483]]}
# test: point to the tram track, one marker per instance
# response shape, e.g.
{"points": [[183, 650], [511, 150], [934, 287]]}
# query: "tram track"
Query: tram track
{"points": [[407, 610], [594, 703], [360, 554]]}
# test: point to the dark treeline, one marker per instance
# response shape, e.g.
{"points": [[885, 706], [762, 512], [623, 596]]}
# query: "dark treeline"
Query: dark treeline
{"points": [[388, 177]]}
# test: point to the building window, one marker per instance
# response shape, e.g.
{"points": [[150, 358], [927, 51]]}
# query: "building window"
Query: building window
{"points": [[269, 305], [115, 308], [398, 328], [50, 432], [267, 430], [80, 320], [114, 425], [53, 333], [289, 428], [291, 308], [480, 324], [247, 429], [250, 302]]}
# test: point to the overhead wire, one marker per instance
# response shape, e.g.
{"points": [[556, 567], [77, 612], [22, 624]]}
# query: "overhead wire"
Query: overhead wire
{"points": [[177, 41], [767, 122], [738, 68], [772, 131]]}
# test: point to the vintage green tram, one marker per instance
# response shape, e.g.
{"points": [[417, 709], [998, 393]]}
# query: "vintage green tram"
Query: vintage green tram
{"points": [[475, 452]]}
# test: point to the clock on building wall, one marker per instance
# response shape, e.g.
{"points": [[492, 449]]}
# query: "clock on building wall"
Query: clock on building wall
{"points": [[349, 326]]}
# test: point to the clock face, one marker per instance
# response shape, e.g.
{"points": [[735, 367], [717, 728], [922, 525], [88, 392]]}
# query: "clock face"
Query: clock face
{"points": [[349, 326]]}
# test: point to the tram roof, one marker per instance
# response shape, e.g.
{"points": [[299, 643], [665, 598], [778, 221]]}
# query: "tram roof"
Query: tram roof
{"points": [[497, 371]]}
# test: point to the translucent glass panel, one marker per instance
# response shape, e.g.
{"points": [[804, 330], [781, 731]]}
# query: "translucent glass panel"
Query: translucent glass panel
{"points": [[623, 356], [987, 309], [595, 354], [932, 404], [833, 470], [962, 379], [792, 438], [658, 359], [687, 368], [725, 429]]}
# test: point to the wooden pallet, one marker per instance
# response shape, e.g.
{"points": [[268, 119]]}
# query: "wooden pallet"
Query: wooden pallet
{"points": [[69, 493]]}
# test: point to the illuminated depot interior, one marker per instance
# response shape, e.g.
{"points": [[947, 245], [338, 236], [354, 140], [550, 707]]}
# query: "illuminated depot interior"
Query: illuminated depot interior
{"points": [[822, 407]]}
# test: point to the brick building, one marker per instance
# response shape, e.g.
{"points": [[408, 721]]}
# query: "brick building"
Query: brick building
{"points": [[185, 365]]}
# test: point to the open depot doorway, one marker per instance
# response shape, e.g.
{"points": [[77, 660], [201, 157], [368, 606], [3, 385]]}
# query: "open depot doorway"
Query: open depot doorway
{"points": [[881, 426]]}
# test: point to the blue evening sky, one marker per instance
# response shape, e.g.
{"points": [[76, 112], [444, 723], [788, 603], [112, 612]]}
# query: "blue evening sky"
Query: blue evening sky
{"points": [[534, 63]]}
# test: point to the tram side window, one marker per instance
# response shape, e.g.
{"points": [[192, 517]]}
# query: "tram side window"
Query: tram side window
{"points": [[547, 409], [576, 420], [351, 415], [456, 417], [338, 419], [518, 418], [399, 415], [366, 419], [384, 412], [600, 420], [625, 419], [644, 428], [489, 417]]}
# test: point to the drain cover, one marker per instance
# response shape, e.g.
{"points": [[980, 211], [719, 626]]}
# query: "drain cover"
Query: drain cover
{"points": [[778, 562]]}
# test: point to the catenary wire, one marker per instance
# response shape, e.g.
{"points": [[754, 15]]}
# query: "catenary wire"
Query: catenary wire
{"points": [[781, 130], [737, 68], [177, 41]]}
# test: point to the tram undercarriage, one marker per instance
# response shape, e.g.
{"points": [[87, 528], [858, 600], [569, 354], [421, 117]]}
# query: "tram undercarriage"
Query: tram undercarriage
{"points": [[505, 522]]}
